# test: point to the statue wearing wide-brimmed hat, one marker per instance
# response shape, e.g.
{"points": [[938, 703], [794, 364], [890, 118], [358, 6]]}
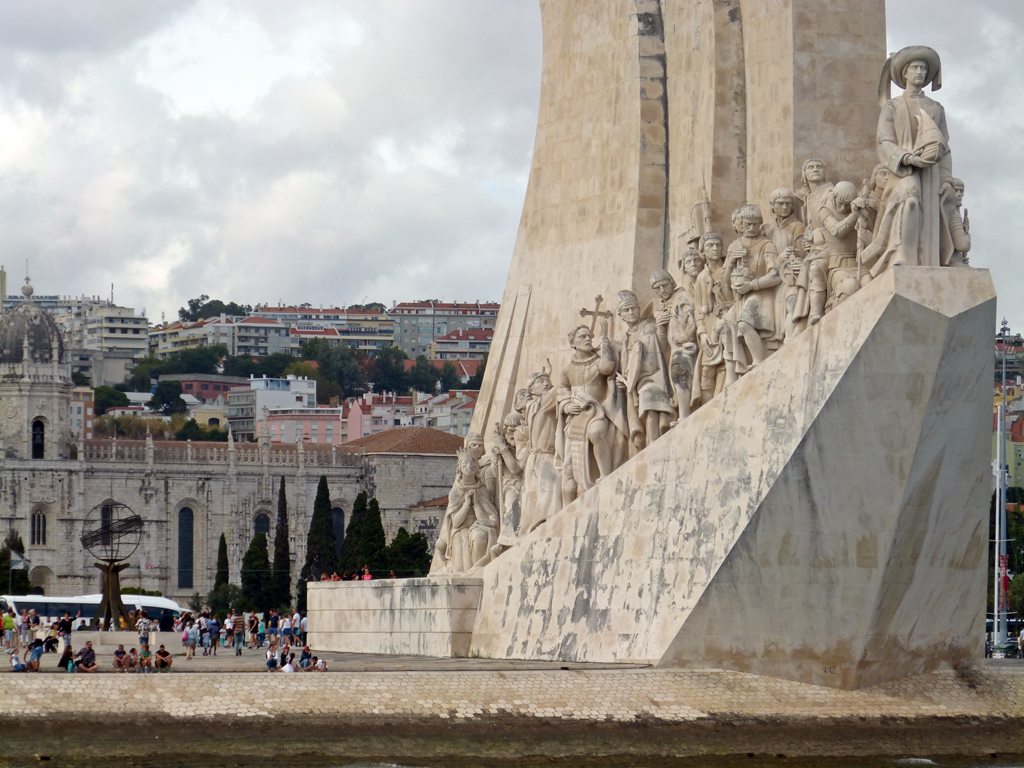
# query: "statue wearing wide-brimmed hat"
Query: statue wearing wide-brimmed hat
{"points": [[913, 144]]}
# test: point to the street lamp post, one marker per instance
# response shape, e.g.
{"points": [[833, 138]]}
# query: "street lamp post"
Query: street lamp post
{"points": [[999, 548]]}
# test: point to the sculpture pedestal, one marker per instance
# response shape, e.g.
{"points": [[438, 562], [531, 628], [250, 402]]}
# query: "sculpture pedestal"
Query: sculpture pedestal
{"points": [[432, 616]]}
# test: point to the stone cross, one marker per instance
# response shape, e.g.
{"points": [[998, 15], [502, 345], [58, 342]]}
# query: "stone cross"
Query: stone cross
{"points": [[596, 312]]}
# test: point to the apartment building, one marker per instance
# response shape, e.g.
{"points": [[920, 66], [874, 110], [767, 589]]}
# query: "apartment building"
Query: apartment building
{"points": [[463, 344], [365, 330], [246, 405], [418, 323]]}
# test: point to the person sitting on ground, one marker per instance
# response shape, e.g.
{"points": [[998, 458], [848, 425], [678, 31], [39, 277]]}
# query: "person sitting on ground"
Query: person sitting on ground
{"points": [[35, 654], [163, 659], [321, 665], [85, 659], [18, 666], [133, 660], [306, 659], [120, 658], [145, 659], [67, 658], [272, 656], [288, 666]]}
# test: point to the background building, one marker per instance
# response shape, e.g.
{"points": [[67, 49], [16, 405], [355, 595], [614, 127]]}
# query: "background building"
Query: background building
{"points": [[417, 323]]}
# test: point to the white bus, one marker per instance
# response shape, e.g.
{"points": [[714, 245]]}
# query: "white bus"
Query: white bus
{"points": [[86, 606]]}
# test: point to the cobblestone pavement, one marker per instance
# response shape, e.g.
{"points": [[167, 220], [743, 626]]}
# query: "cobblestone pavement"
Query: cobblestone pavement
{"points": [[464, 689]]}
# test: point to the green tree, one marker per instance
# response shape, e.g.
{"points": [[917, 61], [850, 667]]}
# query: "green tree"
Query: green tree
{"points": [[387, 371], [408, 555], [105, 397], [167, 398], [221, 576], [350, 545], [280, 574], [319, 542], [19, 581], [203, 306], [79, 379], [372, 541], [476, 380], [449, 376], [256, 572], [227, 596], [191, 430], [423, 376]]}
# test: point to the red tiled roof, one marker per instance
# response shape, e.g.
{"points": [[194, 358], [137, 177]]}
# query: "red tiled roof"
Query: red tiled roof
{"points": [[409, 440], [448, 305], [311, 332], [469, 334], [250, 320], [316, 311], [464, 368], [440, 501]]}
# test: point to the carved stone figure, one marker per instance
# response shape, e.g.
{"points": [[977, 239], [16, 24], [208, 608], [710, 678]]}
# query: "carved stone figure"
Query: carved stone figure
{"points": [[712, 298], [592, 431], [643, 375], [690, 265], [752, 318], [813, 190], [541, 484], [470, 526], [872, 193], [508, 479], [672, 310], [839, 217], [913, 143], [959, 225], [786, 231]]}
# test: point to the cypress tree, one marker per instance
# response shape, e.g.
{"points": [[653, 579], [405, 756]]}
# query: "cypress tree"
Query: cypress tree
{"points": [[408, 555], [256, 572], [280, 593], [222, 563], [319, 542], [350, 546], [372, 541]]}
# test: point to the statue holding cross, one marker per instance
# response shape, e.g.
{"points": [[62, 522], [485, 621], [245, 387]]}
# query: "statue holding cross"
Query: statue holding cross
{"points": [[596, 313]]}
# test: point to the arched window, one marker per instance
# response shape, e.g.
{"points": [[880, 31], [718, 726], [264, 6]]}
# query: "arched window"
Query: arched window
{"points": [[338, 524], [185, 536], [38, 439], [37, 537], [262, 524]]}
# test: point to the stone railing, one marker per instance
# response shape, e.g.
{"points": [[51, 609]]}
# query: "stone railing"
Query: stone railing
{"points": [[245, 454]]}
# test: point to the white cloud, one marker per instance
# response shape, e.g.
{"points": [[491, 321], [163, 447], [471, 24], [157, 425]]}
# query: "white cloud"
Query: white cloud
{"points": [[334, 152]]}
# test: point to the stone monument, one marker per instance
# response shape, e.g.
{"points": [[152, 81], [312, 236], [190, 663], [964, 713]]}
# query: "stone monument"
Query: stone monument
{"points": [[753, 468]]}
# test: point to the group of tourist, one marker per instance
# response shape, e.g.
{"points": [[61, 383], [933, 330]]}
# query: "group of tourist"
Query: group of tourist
{"points": [[236, 630], [357, 575], [735, 302], [282, 659]]}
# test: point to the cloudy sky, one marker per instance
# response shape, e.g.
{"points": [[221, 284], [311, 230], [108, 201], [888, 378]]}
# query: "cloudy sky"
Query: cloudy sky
{"points": [[339, 152]]}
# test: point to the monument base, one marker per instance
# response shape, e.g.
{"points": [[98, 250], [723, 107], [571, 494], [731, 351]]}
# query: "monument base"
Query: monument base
{"points": [[431, 616]]}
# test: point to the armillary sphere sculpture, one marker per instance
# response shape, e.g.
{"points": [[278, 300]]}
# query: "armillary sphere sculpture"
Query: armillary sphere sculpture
{"points": [[112, 534]]}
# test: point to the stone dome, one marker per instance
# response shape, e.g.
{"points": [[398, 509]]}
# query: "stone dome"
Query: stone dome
{"points": [[27, 318]]}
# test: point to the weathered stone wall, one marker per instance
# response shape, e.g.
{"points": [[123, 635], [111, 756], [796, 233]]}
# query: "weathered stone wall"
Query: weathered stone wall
{"points": [[223, 498], [814, 521], [596, 696]]}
